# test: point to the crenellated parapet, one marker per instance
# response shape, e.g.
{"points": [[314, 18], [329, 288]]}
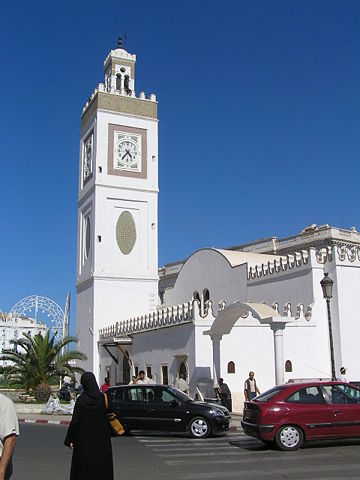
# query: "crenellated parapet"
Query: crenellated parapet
{"points": [[284, 263], [119, 93], [166, 317]]}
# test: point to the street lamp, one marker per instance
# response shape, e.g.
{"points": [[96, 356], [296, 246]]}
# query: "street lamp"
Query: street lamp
{"points": [[327, 285]]}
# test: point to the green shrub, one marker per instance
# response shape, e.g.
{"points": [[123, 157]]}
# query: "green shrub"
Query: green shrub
{"points": [[42, 392]]}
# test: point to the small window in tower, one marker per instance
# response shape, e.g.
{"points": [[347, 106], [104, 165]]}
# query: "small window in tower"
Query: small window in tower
{"points": [[127, 84], [231, 367], [118, 81], [288, 366]]}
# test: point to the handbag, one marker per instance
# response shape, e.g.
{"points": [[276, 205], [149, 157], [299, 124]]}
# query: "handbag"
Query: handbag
{"points": [[116, 428]]}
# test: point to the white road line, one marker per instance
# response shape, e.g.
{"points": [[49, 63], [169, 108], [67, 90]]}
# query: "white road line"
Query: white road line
{"points": [[309, 471], [243, 457], [199, 454]]}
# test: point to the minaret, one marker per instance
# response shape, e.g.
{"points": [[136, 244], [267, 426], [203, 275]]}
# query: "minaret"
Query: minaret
{"points": [[117, 259]]}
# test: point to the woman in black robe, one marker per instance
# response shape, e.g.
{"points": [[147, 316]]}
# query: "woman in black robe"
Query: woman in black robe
{"points": [[89, 435]]}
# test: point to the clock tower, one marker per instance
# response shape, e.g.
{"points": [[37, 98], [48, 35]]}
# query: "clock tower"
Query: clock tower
{"points": [[117, 257]]}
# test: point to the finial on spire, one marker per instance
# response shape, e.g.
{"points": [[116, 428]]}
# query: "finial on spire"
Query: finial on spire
{"points": [[119, 42]]}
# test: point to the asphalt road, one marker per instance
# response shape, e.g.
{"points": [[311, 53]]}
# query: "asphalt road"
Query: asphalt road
{"points": [[40, 455]]}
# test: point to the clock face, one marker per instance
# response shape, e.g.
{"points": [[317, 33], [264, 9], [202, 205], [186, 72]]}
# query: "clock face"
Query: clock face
{"points": [[127, 152]]}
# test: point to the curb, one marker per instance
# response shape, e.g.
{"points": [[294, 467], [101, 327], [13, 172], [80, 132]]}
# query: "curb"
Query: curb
{"points": [[42, 421]]}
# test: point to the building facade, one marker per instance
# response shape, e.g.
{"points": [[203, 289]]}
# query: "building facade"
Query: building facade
{"points": [[223, 311], [208, 336], [13, 328]]}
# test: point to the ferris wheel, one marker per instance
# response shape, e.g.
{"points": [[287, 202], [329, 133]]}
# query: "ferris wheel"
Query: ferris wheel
{"points": [[34, 305]]}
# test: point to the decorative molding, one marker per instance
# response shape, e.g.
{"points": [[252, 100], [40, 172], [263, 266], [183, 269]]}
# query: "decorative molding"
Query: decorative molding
{"points": [[288, 262], [166, 317], [346, 251]]}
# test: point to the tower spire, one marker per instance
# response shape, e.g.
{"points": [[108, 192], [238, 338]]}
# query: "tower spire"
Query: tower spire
{"points": [[119, 42]]}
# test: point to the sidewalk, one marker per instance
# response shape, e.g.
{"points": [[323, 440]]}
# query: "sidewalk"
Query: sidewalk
{"points": [[65, 419]]}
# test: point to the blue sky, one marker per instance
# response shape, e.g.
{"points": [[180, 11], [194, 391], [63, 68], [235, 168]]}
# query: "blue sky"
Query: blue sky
{"points": [[258, 134]]}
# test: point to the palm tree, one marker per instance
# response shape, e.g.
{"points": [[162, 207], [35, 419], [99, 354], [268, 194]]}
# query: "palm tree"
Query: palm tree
{"points": [[40, 359]]}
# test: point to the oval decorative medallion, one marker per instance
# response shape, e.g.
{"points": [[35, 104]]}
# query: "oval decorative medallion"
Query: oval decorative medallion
{"points": [[126, 232]]}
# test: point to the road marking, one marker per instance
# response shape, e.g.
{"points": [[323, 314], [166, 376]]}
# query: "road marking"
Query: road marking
{"points": [[243, 457], [293, 470], [199, 454]]}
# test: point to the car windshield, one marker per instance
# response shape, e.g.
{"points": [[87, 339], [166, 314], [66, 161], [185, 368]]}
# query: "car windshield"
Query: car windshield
{"points": [[266, 396], [178, 394]]}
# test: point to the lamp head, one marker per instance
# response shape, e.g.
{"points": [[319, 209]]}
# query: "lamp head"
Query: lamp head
{"points": [[327, 285]]}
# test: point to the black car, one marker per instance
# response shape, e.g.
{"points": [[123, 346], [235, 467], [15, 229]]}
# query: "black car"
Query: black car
{"points": [[165, 408]]}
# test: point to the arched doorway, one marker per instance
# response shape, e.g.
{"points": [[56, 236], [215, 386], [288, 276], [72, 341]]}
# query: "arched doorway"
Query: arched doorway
{"points": [[126, 368]]}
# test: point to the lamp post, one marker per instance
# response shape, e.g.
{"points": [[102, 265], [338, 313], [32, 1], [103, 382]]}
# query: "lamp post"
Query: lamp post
{"points": [[327, 285]]}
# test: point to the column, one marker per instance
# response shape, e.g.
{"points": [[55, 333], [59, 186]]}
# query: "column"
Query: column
{"points": [[278, 352], [216, 339]]}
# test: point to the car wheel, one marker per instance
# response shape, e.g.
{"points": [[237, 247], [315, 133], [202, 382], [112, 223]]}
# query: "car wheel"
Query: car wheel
{"points": [[199, 427], [289, 437]]}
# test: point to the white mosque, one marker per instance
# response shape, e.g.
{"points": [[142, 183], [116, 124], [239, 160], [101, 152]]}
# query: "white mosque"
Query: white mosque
{"points": [[222, 312]]}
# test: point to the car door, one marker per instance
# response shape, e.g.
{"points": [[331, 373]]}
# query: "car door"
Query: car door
{"points": [[133, 408], [344, 403], [308, 408], [165, 411]]}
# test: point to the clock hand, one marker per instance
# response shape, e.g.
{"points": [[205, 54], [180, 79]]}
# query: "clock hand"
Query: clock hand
{"points": [[127, 153]]}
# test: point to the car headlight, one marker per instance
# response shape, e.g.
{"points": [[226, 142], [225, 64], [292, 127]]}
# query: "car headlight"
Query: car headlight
{"points": [[217, 412]]}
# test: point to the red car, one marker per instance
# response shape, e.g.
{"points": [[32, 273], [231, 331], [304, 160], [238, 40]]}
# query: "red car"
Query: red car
{"points": [[292, 413]]}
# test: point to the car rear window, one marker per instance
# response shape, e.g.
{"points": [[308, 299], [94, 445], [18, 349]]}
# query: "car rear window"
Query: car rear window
{"points": [[266, 396]]}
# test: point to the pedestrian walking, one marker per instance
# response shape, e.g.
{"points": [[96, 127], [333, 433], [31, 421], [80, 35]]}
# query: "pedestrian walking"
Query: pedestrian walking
{"points": [[250, 387], [9, 430], [225, 394], [89, 435]]}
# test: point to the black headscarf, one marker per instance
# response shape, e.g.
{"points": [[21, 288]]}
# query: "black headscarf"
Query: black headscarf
{"points": [[92, 394]]}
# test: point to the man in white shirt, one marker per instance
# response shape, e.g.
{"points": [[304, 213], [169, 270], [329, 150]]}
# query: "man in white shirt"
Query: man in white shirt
{"points": [[9, 430], [342, 376], [250, 388], [181, 384], [142, 379]]}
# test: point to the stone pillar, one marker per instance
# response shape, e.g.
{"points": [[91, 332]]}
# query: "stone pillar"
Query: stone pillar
{"points": [[278, 351], [216, 339]]}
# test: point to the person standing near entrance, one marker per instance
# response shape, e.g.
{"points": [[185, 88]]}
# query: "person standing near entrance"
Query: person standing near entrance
{"points": [[225, 394], [342, 376], [9, 430], [181, 384], [106, 385], [250, 388]]}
